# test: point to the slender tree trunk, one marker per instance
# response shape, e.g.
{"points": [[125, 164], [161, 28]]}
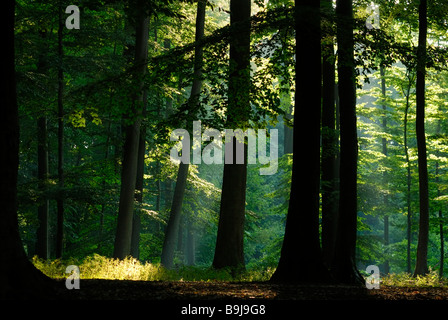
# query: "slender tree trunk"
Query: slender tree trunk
{"points": [[42, 174], [408, 182], [136, 222], [171, 231], [190, 250], [60, 199], [421, 265], [329, 144], [229, 250], [384, 145], [42, 243], [344, 266], [301, 259], [179, 191], [442, 244], [19, 279], [441, 226], [123, 239]]}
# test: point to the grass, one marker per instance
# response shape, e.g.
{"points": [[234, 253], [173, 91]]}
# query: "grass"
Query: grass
{"points": [[431, 279], [100, 267]]}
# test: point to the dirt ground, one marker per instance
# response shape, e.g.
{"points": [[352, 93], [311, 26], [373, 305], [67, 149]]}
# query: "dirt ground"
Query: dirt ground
{"points": [[190, 291]]}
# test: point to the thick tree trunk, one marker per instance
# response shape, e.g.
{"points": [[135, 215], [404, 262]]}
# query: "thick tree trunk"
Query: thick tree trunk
{"points": [[123, 239], [229, 250], [330, 144], [421, 265], [301, 259], [19, 279], [344, 265]]}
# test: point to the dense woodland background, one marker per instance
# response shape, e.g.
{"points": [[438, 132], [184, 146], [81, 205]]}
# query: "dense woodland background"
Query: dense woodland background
{"points": [[97, 106]]}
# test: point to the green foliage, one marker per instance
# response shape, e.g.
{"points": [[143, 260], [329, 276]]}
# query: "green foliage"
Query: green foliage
{"points": [[432, 279], [100, 267], [99, 85]]}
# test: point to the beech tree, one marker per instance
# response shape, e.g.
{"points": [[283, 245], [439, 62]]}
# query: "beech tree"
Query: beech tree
{"points": [[344, 263], [122, 247], [330, 143], [179, 191], [421, 266], [301, 259], [229, 251], [18, 277]]}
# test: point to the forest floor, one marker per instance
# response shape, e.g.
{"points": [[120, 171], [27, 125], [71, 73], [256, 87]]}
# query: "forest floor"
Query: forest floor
{"points": [[238, 291]]}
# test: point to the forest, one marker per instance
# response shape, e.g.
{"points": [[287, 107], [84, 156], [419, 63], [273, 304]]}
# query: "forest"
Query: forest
{"points": [[222, 143]]}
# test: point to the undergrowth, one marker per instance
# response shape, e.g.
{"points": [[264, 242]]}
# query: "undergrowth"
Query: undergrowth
{"points": [[404, 279], [100, 267]]}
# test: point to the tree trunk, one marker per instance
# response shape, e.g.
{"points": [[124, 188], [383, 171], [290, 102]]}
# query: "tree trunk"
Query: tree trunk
{"points": [[229, 250], [179, 191], [42, 174], [421, 265], [190, 248], [384, 145], [169, 243], [330, 144], [344, 265], [19, 279], [42, 239], [408, 182], [123, 239], [301, 259], [440, 216], [136, 222], [60, 199]]}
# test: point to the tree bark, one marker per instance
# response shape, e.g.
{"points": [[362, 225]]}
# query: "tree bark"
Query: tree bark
{"points": [[60, 198], [384, 147], [169, 243], [179, 191], [42, 174], [123, 239], [301, 259], [421, 265], [408, 180], [330, 144], [229, 250], [42, 239], [344, 264], [19, 279], [136, 221]]}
